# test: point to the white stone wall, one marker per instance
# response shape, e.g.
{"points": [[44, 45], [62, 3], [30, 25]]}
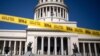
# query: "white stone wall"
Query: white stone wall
{"points": [[13, 33]]}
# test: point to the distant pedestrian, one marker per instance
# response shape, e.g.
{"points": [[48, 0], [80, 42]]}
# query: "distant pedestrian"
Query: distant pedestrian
{"points": [[6, 50]]}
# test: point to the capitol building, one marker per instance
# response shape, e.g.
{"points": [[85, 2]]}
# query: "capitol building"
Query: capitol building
{"points": [[47, 42]]}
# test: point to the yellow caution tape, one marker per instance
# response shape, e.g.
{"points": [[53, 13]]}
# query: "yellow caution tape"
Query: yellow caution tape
{"points": [[30, 22]]}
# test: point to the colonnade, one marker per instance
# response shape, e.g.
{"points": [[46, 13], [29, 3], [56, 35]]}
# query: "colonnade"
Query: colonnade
{"points": [[55, 11], [52, 45], [16, 47], [89, 49]]}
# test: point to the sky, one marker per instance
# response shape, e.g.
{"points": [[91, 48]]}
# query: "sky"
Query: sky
{"points": [[85, 12]]}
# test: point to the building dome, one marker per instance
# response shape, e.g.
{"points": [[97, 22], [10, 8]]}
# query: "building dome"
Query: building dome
{"points": [[51, 10]]}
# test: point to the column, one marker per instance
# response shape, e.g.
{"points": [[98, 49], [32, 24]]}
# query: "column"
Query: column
{"points": [[55, 45], [54, 14], [14, 47], [39, 12], [50, 10], [62, 46], [43, 12], [48, 45], [39, 1], [53, 10], [25, 47], [43, 0], [35, 47], [69, 46], [46, 11], [57, 12], [10, 46], [60, 13], [90, 50], [36, 14], [20, 45], [95, 49], [67, 15], [63, 13], [3, 47], [84, 49], [42, 43]]}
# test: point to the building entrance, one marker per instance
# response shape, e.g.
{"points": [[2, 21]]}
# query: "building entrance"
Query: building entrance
{"points": [[52, 45]]}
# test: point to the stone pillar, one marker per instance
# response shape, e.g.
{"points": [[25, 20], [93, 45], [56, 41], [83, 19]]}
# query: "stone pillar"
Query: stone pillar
{"points": [[62, 49], [9, 43], [25, 47], [84, 49], [36, 14], [60, 13], [48, 45], [4, 47], [95, 48], [42, 45], [14, 47], [63, 13], [55, 45], [50, 11], [35, 47], [10, 47], [43, 14], [43, 0], [53, 11], [39, 1], [69, 46], [57, 12], [90, 50], [39, 12], [20, 45], [46, 12], [66, 14]]}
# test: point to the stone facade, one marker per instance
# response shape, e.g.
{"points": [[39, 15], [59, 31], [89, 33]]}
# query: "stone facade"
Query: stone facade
{"points": [[46, 41]]}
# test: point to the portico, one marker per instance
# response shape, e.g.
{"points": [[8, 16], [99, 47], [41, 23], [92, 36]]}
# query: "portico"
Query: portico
{"points": [[52, 45], [16, 47]]}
